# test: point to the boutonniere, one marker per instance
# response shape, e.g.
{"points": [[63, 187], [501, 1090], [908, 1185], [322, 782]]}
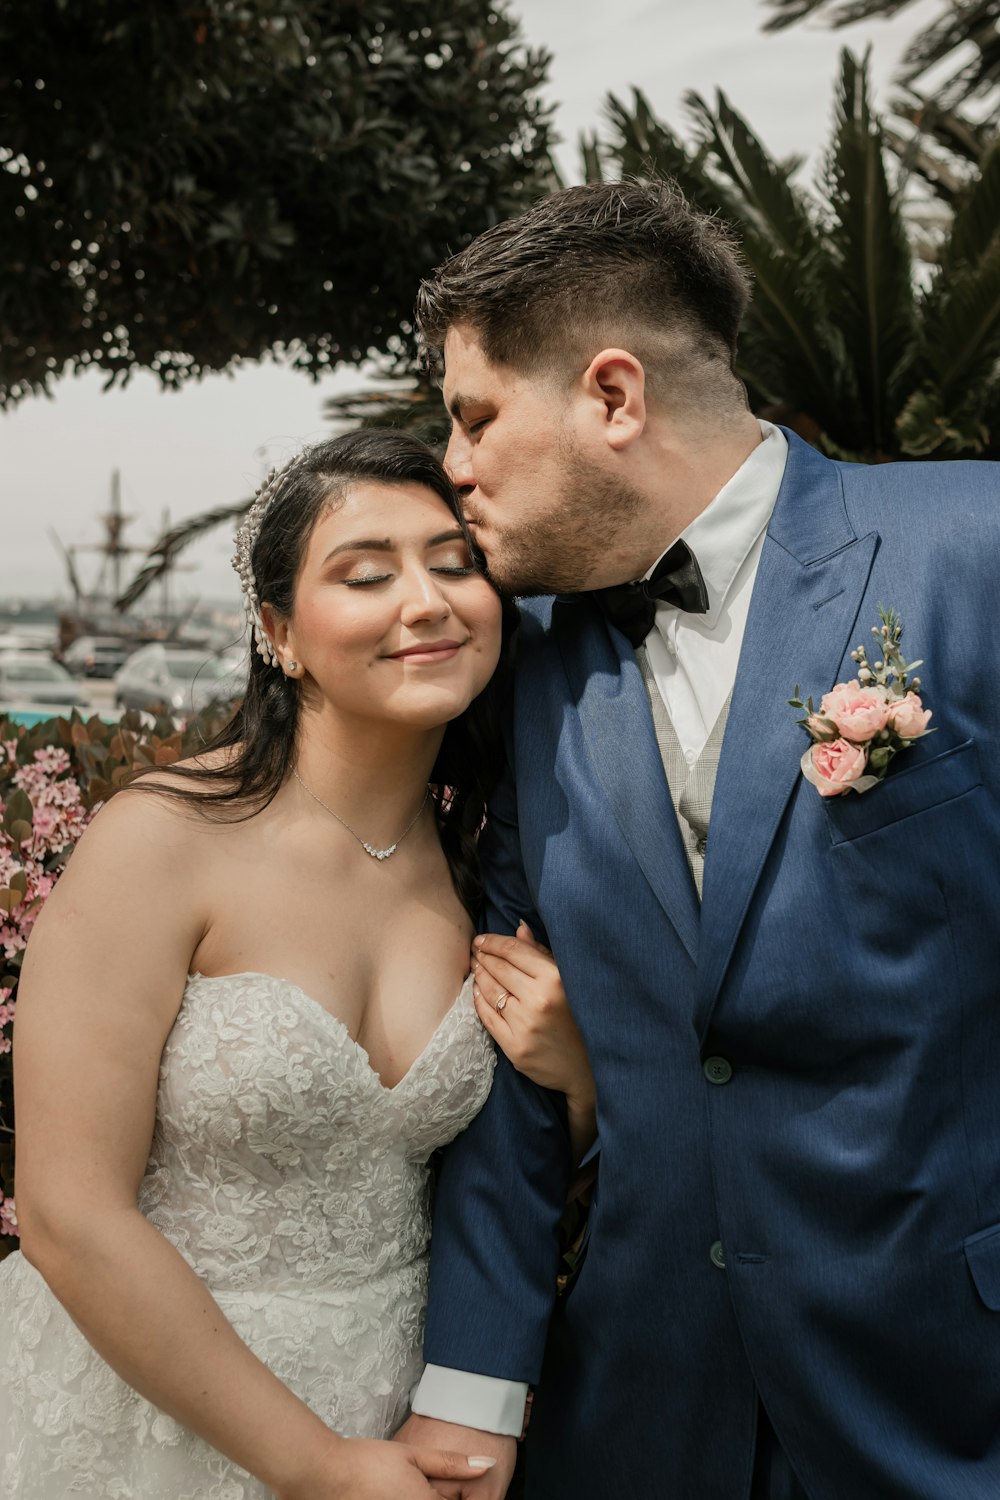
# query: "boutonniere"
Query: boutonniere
{"points": [[860, 725]]}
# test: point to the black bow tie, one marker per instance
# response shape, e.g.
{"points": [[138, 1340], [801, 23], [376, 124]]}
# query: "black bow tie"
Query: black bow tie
{"points": [[676, 579]]}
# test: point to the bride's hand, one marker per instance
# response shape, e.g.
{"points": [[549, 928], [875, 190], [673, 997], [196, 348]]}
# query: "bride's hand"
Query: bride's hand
{"points": [[534, 1025], [363, 1469]]}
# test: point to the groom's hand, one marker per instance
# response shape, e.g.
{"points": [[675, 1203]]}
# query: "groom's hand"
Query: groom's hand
{"points": [[428, 1432]]}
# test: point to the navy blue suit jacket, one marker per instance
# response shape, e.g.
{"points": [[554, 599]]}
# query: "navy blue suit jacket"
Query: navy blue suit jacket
{"points": [[822, 1227]]}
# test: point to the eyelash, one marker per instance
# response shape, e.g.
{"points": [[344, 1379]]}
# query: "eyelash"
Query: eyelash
{"points": [[360, 583]]}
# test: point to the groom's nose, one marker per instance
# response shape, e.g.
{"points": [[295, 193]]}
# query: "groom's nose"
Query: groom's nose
{"points": [[458, 462]]}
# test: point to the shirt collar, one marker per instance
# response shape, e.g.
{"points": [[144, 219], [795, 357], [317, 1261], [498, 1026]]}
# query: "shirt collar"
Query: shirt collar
{"points": [[723, 535]]}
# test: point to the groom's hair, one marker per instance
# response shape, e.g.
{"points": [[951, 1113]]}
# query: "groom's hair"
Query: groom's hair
{"points": [[632, 264]]}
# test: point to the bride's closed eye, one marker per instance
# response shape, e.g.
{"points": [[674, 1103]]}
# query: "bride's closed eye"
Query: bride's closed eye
{"points": [[354, 583], [450, 570], [445, 556], [455, 570]]}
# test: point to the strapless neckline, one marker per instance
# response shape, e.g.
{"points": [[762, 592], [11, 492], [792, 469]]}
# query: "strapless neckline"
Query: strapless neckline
{"points": [[298, 1188], [339, 1026]]}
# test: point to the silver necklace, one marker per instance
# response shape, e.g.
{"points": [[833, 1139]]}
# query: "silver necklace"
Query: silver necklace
{"points": [[368, 848]]}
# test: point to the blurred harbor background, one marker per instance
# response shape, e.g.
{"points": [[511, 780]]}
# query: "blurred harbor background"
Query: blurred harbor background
{"points": [[91, 477]]}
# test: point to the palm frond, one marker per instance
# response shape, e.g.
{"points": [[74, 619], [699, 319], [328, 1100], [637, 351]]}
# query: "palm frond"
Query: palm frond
{"points": [[963, 138], [164, 552], [790, 12], [873, 297], [991, 419], [961, 344], [937, 173], [411, 404], [789, 351], [961, 22], [976, 226], [838, 12], [643, 146], [767, 199], [591, 159], [928, 427]]}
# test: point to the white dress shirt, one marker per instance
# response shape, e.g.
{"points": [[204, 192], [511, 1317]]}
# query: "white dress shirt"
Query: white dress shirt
{"points": [[693, 659]]}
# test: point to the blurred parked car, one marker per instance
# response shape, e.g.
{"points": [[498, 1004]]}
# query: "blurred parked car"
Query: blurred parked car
{"points": [[182, 682], [96, 655], [38, 643], [32, 677]]}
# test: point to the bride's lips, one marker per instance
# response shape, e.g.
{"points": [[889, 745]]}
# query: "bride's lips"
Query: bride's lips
{"points": [[428, 651]]}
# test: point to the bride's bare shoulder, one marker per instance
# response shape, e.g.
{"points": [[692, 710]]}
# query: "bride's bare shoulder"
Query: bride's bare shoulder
{"points": [[173, 803], [150, 856], [199, 775]]}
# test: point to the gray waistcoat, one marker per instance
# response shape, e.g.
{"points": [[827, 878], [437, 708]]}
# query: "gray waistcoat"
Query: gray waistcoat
{"points": [[691, 787]]}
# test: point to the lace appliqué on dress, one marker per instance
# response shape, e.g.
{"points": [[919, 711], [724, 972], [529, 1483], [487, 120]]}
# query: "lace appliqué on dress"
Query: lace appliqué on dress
{"points": [[297, 1187]]}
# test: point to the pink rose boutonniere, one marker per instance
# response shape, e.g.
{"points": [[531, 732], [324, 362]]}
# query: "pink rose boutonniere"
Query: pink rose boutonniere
{"points": [[860, 725]]}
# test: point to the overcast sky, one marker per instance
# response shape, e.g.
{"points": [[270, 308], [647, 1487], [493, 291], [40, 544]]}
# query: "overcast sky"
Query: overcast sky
{"points": [[206, 445]]}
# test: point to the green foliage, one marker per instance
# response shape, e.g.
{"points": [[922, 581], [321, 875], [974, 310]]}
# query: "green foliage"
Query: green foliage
{"points": [[411, 403], [965, 33], [843, 342], [870, 288], [937, 135], [167, 548], [940, 148], [188, 186]]}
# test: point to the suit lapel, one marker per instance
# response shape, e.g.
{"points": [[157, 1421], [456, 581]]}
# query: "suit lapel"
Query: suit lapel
{"points": [[609, 696], [810, 583]]}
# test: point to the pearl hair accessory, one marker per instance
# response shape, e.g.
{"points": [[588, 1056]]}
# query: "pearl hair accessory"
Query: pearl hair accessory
{"points": [[264, 497]]}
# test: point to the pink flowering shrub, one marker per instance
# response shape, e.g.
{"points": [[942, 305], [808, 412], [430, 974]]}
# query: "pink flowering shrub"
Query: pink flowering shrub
{"points": [[53, 778]]}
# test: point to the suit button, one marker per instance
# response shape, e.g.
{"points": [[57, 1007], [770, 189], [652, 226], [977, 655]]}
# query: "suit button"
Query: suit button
{"points": [[717, 1069], [717, 1255]]}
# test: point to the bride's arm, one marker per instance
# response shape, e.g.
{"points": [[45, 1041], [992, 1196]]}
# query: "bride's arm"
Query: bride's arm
{"points": [[100, 990], [535, 1027]]}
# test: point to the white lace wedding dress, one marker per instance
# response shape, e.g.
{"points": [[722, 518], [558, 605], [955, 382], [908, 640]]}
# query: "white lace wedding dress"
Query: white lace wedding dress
{"points": [[296, 1185]]}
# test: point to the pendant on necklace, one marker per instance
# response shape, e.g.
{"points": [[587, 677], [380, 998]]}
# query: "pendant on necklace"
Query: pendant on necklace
{"points": [[378, 854]]}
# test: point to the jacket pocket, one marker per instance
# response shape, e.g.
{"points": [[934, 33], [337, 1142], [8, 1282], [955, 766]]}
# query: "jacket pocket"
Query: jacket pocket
{"points": [[982, 1255], [906, 791]]}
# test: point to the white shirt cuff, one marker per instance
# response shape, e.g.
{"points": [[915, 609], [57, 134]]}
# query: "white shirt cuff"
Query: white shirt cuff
{"points": [[482, 1401]]}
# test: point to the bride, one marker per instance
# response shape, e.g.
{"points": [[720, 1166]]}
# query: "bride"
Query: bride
{"points": [[245, 1024]]}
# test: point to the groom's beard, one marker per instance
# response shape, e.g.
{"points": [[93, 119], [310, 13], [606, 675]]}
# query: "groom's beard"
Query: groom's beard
{"points": [[561, 549]]}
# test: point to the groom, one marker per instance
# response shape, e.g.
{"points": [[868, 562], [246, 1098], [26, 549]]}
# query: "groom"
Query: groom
{"points": [[791, 1001]]}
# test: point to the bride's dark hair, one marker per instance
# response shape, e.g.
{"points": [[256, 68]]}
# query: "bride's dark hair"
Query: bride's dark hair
{"points": [[262, 731]]}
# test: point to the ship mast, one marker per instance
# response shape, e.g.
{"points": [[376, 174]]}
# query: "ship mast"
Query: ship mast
{"points": [[112, 549]]}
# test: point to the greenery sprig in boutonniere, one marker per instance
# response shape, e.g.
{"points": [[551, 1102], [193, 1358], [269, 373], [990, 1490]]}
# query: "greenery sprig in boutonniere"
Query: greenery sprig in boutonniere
{"points": [[860, 725]]}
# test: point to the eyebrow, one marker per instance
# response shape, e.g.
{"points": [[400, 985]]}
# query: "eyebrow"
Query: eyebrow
{"points": [[386, 544], [458, 401]]}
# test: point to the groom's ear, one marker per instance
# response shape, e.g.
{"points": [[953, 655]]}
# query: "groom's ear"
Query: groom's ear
{"points": [[615, 384]]}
